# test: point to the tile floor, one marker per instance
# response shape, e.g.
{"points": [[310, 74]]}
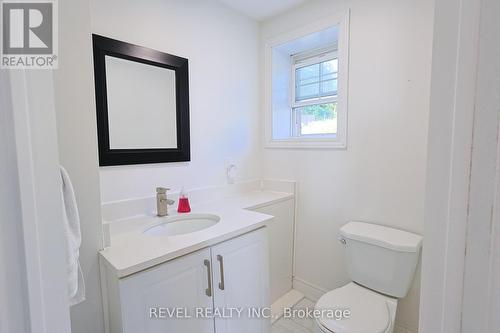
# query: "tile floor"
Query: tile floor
{"points": [[295, 325]]}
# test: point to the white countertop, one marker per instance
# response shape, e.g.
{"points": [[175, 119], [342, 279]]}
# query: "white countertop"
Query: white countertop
{"points": [[132, 251]]}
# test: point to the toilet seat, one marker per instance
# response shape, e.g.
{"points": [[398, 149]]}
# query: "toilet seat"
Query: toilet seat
{"points": [[370, 312]]}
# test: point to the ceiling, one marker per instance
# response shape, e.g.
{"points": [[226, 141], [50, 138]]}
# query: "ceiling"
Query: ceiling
{"points": [[262, 9]]}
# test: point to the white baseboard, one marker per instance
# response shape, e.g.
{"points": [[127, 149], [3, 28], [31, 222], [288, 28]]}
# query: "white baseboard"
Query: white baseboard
{"points": [[309, 290]]}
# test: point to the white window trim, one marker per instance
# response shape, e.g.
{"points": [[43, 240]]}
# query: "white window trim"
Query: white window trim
{"points": [[340, 140]]}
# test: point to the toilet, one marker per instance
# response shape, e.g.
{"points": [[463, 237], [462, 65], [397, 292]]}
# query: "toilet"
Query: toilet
{"points": [[381, 263]]}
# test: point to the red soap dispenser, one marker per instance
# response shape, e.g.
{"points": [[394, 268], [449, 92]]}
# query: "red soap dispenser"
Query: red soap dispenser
{"points": [[183, 203]]}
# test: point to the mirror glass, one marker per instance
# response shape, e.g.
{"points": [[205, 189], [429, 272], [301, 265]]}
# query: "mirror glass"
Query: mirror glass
{"points": [[141, 103]]}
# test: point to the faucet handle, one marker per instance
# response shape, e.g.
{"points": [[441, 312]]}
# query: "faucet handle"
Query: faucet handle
{"points": [[162, 190]]}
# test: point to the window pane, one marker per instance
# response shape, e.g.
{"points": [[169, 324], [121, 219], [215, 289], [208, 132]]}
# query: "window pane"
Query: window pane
{"points": [[329, 76], [329, 71], [316, 80], [330, 66], [320, 119], [307, 82], [307, 91], [329, 88], [308, 72]]}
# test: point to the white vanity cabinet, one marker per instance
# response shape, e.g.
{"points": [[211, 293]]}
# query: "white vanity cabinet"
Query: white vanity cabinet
{"points": [[241, 281], [230, 275]]}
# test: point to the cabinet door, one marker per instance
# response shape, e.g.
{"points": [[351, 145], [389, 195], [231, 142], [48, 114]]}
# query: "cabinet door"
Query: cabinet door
{"points": [[241, 281], [182, 284]]}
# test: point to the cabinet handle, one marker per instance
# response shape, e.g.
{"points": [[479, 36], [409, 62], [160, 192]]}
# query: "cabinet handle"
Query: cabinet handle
{"points": [[208, 291], [221, 265]]}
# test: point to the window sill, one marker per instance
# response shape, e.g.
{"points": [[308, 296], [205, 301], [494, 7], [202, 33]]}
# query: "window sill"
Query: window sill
{"points": [[301, 143]]}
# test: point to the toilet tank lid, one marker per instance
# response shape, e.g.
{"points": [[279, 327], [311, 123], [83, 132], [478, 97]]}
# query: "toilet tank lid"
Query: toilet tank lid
{"points": [[390, 238]]}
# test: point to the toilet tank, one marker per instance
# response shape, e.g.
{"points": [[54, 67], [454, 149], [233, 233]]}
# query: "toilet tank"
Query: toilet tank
{"points": [[381, 258]]}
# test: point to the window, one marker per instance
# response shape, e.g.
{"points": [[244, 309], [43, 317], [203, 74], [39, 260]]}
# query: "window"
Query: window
{"points": [[314, 95], [306, 86]]}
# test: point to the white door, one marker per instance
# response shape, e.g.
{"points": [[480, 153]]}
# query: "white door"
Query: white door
{"points": [[33, 282], [184, 284], [241, 283]]}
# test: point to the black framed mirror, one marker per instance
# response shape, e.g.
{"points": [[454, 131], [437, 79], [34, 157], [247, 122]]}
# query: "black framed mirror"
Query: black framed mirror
{"points": [[142, 101]]}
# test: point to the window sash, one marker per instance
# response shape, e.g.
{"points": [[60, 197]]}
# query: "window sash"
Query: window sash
{"points": [[300, 61]]}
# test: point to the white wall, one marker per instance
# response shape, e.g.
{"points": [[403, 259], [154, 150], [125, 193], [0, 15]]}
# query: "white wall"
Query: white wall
{"points": [[222, 48], [76, 127], [380, 177]]}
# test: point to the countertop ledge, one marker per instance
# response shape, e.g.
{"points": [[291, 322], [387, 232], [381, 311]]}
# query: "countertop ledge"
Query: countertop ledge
{"points": [[131, 251]]}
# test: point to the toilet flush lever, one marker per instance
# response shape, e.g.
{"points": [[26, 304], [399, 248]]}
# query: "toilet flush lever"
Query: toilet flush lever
{"points": [[342, 240]]}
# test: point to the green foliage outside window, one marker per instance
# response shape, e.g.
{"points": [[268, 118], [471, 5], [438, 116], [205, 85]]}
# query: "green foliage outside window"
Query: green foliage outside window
{"points": [[320, 111]]}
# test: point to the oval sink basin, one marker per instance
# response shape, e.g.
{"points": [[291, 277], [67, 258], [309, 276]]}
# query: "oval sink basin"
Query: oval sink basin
{"points": [[182, 224]]}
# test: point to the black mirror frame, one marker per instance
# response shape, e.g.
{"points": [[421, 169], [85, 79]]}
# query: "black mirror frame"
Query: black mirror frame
{"points": [[106, 46]]}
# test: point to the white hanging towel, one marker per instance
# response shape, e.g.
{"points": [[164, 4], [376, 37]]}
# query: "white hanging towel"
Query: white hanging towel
{"points": [[76, 284]]}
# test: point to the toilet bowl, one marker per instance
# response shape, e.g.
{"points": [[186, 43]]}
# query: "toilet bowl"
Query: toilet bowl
{"points": [[381, 262], [369, 311]]}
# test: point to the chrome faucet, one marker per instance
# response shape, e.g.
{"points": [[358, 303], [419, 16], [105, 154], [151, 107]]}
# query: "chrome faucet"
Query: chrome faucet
{"points": [[162, 202]]}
